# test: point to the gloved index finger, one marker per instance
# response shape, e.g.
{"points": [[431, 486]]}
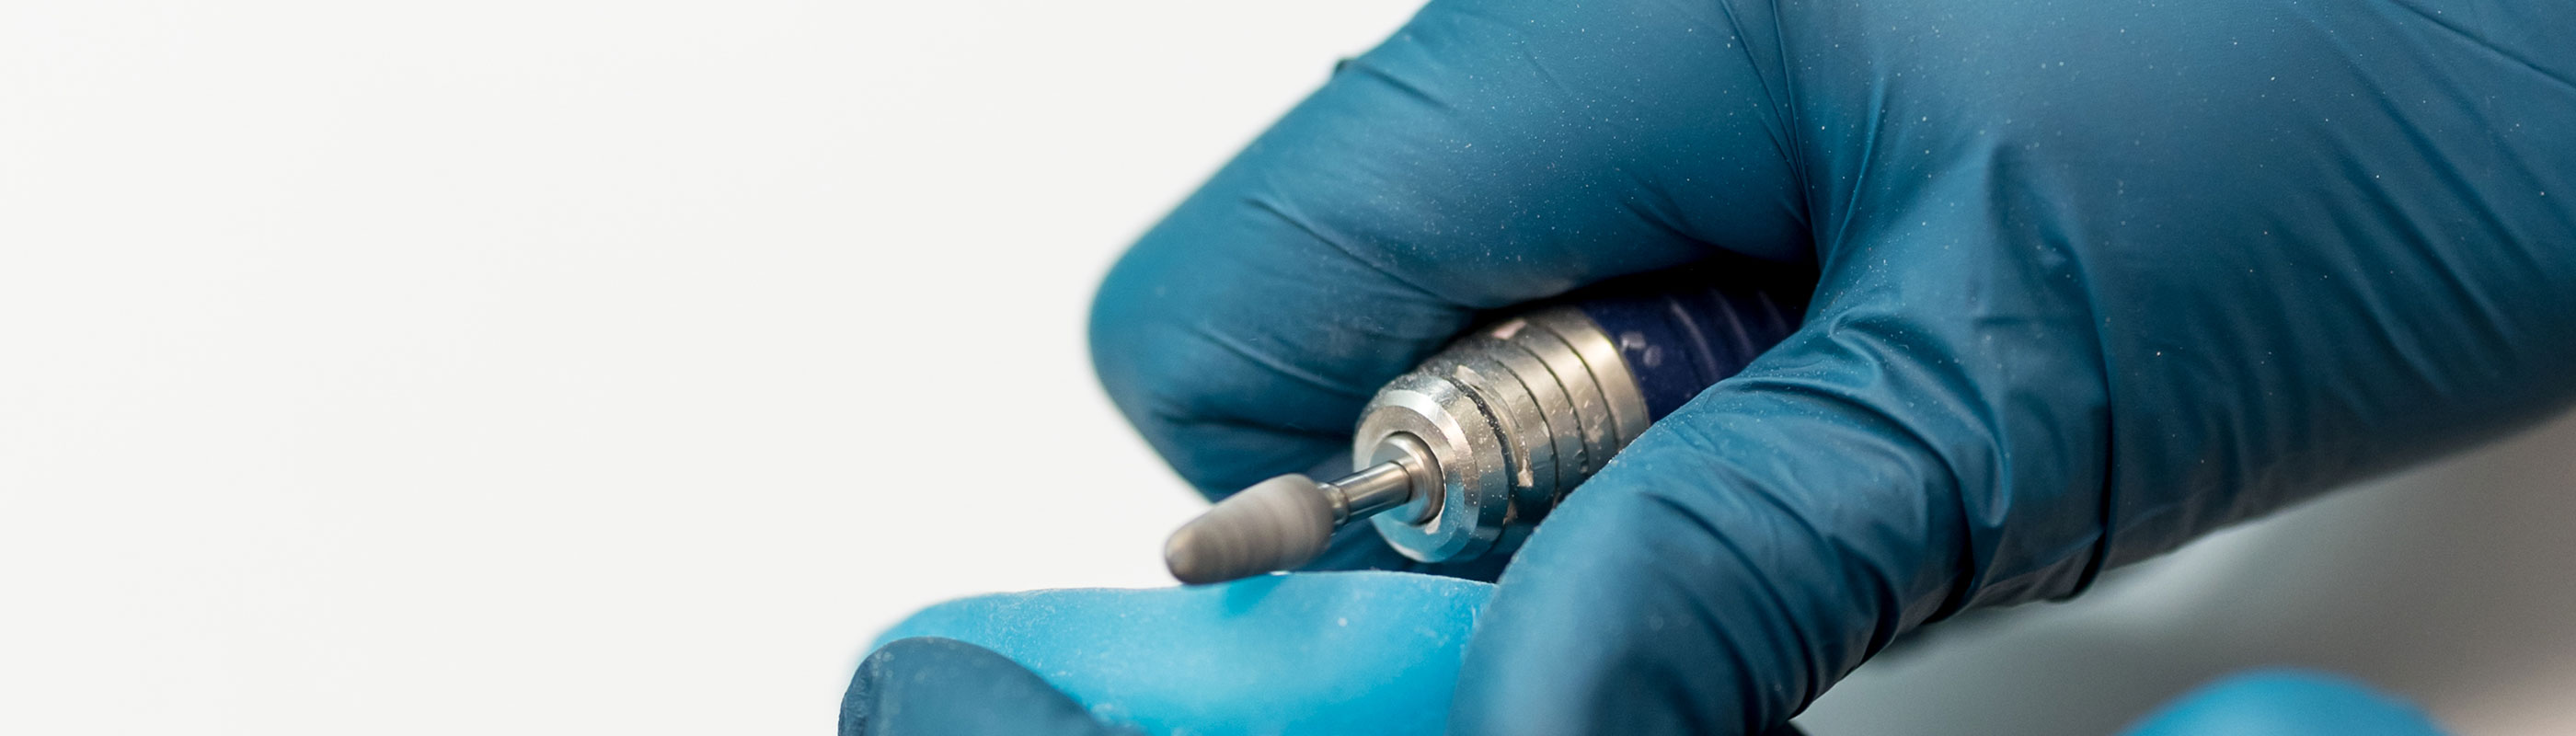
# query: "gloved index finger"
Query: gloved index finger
{"points": [[1488, 154]]}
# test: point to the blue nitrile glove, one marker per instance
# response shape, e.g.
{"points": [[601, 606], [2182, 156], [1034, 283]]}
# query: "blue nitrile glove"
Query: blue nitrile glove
{"points": [[2097, 278]]}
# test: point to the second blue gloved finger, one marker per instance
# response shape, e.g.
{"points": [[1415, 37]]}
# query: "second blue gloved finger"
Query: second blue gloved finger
{"points": [[1489, 154]]}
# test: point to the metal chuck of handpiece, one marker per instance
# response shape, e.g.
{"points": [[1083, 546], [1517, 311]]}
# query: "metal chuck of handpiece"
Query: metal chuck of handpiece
{"points": [[1456, 459]]}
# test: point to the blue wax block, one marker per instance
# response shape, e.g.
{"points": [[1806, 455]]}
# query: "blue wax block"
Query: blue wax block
{"points": [[1305, 653]]}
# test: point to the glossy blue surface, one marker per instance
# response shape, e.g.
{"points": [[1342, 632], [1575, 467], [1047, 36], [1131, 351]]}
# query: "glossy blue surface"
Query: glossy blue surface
{"points": [[935, 686], [2286, 703], [1309, 653], [1323, 654]]}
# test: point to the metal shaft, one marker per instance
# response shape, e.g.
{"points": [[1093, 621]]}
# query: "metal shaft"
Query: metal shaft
{"points": [[1361, 495]]}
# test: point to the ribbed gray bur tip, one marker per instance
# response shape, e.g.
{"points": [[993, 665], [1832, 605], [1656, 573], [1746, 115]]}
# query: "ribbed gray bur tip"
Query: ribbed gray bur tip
{"points": [[1277, 524]]}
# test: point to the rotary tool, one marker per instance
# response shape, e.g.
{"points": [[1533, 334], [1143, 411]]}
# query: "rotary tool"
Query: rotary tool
{"points": [[1463, 455]]}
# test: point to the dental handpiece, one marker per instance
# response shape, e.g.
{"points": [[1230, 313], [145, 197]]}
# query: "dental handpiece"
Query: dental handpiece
{"points": [[1462, 456]]}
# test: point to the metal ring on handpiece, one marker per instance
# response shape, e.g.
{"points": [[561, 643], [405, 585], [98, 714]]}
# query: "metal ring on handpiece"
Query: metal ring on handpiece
{"points": [[1556, 420], [1528, 453], [1475, 481], [1501, 425], [1591, 412], [1600, 353]]}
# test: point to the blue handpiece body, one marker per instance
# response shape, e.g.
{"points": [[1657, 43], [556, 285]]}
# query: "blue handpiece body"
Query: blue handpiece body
{"points": [[1682, 334]]}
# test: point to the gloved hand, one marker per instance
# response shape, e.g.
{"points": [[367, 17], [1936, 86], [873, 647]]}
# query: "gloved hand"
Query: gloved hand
{"points": [[2096, 278]]}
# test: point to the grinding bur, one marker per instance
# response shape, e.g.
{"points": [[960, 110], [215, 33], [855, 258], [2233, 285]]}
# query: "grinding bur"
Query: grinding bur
{"points": [[1280, 523]]}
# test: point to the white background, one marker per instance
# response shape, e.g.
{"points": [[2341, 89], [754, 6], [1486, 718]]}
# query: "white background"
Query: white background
{"points": [[624, 367]]}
